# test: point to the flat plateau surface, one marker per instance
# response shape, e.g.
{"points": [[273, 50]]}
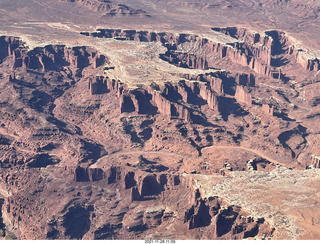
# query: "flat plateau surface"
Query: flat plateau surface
{"points": [[159, 119]]}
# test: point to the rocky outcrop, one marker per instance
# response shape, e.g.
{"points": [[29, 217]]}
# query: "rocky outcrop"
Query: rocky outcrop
{"points": [[142, 98], [216, 85], [188, 92], [142, 101], [245, 80], [187, 60], [163, 105], [180, 111], [142, 185], [152, 185], [267, 109], [315, 162], [129, 180], [111, 175], [309, 63], [261, 45], [107, 231], [103, 84], [213, 80], [184, 91], [251, 49], [126, 103], [259, 67], [147, 101], [313, 64], [243, 96], [209, 96], [246, 36], [10, 46], [88, 174], [51, 57], [225, 221], [257, 57], [114, 174], [97, 86]]}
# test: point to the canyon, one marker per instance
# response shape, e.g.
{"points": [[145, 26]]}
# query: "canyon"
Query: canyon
{"points": [[120, 122]]}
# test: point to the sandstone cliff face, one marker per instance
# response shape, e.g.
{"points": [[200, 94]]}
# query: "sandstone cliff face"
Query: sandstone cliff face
{"points": [[51, 57], [142, 184], [245, 80], [257, 57], [313, 64], [267, 109], [103, 84], [82, 174], [11, 46], [70, 198], [225, 221], [263, 46], [243, 96], [209, 96], [246, 36], [213, 80], [180, 111], [169, 101], [315, 162], [162, 103], [216, 86], [97, 85], [219, 219], [191, 61], [259, 51]]}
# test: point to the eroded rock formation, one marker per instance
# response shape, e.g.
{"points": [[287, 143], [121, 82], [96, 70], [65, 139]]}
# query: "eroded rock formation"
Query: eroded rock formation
{"points": [[255, 53], [245, 80], [52, 146], [225, 221], [243, 96], [267, 109], [51, 57], [166, 100]]}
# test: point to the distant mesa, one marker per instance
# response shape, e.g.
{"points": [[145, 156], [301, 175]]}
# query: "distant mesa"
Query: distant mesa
{"points": [[108, 8]]}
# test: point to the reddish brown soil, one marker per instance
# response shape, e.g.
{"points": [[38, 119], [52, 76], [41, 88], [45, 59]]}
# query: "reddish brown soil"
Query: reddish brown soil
{"points": [[176, 120]]}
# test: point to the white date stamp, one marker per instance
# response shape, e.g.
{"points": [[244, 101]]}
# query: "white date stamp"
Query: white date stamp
{"points": [[160, 241]]}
